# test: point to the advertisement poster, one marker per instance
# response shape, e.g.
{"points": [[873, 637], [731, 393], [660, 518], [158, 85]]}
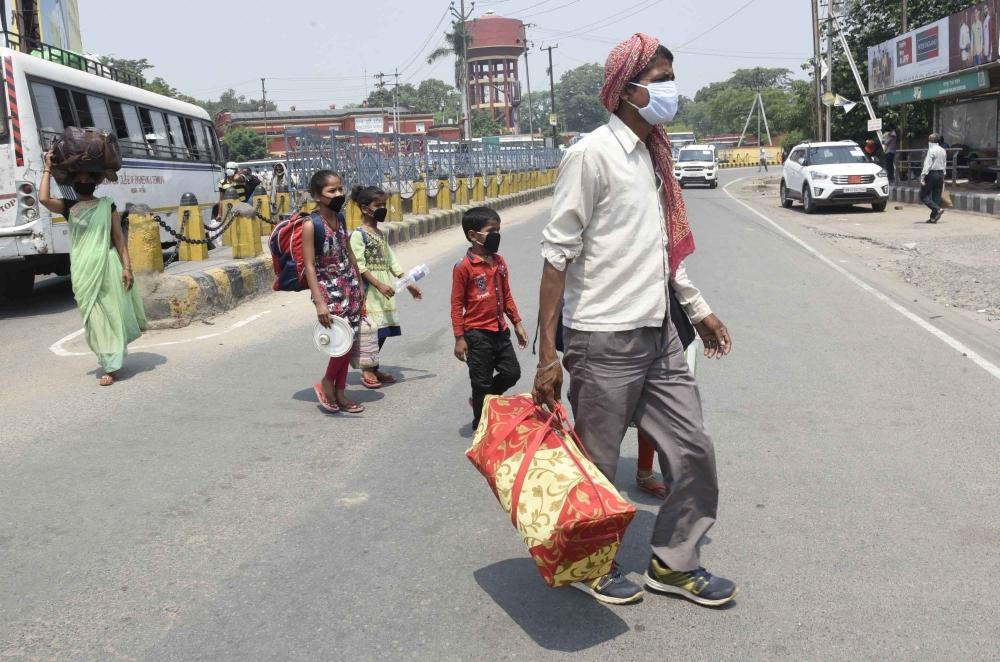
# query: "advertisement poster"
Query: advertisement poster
{"points": [[922, 53], [881, 70], [60, 23], [973, 36]]}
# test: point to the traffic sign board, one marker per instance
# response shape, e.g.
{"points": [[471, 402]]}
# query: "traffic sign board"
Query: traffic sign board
{"points": [[553, 119], [875, 124]]}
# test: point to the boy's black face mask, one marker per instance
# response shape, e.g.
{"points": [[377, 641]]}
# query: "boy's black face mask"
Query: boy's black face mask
{"points": [[492, 242]]}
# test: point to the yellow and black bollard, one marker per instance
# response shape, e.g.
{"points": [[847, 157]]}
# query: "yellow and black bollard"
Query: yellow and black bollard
{"points": [[493, 190], [462, 193], [420, 197], [144, 241], [443, 194], [262, 205], [478, 192], [190, 225], [245, 232], [229, 199], [394, 206], [282, 200]]}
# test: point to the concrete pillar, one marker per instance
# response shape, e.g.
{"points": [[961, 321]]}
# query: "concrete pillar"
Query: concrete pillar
{"points": [[462, 194], [493, 190], [444, 194], [262, 205], [395, 206], [245, 232], [420, 205], [144, 241], [229, 199], [353, 215], [190, 225], [478, 192], [283, 200]]}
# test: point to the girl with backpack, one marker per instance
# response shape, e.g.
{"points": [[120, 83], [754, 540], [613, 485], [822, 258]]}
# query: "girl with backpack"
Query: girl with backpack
{"points": [[334, 281], [380, 270]]}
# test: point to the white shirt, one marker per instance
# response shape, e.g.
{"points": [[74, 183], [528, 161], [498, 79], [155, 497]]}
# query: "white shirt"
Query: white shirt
{"points": [[936, 159], [608, 233]]}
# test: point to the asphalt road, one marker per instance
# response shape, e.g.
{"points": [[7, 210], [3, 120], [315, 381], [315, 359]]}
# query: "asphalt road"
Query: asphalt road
{"points": [[203, 508]]}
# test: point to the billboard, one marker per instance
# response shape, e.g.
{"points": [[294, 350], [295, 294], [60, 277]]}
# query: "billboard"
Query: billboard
{"points": [[60, 21], [965, 39]]}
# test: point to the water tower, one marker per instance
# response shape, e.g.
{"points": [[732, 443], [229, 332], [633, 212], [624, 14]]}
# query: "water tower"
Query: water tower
{"points": [[494, 86]]}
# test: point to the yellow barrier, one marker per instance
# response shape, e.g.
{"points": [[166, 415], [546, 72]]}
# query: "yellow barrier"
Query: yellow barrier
{"points": [[245, 232], [282, 201], [229, 199], [189, 224], [419, 205], [493, 189], [144, 241], [395, 206], [478, 192], [443, 195], [462, 194], [352, 215], [262, 205]]}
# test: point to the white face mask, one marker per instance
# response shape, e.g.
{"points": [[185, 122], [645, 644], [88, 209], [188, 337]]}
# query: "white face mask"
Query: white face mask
{"points": [[230, 172], [663, 99]]}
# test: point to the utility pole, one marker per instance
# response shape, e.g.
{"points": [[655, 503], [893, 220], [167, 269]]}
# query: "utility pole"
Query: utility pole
{"points": [[816, 69], [527, 76], [903, 112], [462, 17], [552, 96], [263, 103], [829, 65]]}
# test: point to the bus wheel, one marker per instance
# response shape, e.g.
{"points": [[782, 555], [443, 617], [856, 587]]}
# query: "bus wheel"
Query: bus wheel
{"points": [[20, 284]]}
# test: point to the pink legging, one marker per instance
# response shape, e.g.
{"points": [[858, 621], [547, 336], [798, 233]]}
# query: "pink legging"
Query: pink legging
{"points": [[336, 370]]}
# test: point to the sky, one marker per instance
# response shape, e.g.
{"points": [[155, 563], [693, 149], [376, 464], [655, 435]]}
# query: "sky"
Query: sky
{"points": [[314, 53]]}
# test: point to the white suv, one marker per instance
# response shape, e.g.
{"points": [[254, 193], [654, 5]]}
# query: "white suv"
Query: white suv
{"points": [[696, 164], [836, 173]]}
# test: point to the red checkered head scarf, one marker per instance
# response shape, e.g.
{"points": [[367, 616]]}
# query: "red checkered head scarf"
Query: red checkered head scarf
{"points": [[625, 62]]}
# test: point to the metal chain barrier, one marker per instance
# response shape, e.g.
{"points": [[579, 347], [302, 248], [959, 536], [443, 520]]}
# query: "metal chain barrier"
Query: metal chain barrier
{"points": [[212, 235]]}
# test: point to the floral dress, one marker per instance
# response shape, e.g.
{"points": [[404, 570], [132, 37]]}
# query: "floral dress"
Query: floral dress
{"points": [[338, 280], [374, 255]]}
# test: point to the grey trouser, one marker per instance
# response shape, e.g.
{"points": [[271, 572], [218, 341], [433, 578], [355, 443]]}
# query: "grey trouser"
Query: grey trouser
{"points": [[641, 375]]}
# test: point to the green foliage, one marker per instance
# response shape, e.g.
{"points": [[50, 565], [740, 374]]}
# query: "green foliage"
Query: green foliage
{"points": [[457, 43], [241, 143], [484, 124], [134, 67], [431, 96], [578, 101]]}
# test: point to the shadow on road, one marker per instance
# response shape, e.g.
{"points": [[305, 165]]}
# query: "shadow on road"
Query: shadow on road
{"points": [[361, 395], [52, 295], [556, 619], [135, 364]]}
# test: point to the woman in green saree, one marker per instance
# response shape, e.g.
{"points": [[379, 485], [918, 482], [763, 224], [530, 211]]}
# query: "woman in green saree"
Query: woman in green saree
{"points": [[100, 270]]}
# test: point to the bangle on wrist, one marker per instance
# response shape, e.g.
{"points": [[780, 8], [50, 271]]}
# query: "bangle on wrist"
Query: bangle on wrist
{"points": [[550, 365]]}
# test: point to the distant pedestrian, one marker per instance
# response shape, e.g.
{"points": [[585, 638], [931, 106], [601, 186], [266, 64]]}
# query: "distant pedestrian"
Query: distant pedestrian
{"points": [[480, 298], [100, 270], [380, 270], [334, 282], [869, 149], [763, 159], [891, 144], [932, 176]]}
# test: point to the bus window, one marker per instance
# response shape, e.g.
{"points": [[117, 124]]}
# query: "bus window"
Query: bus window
{"points": [[128, 128], [49, 119], [213, 142], [177, 138], [65, 107], [155, 131], [195, 136], [99, 112], [83, 114]]}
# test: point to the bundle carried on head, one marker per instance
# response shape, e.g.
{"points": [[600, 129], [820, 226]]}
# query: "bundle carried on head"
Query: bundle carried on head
{"points": [[85, 150]]}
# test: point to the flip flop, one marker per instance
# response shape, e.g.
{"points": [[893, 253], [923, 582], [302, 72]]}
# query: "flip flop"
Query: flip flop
{"points": [[652, 486], [352, 408], [106, 380], [369, 384], [324, 405]]}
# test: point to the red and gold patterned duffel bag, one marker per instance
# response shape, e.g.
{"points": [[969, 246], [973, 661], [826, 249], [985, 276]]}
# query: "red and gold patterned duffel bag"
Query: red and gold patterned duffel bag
{"points": [[570, 516]]}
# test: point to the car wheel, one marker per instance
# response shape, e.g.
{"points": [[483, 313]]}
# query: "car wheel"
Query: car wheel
{"points": [[786, 202], [807, 200], [878, 206], [714, 184]]}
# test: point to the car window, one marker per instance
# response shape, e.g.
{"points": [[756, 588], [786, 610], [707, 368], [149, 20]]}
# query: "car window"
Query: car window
{"points": [[796, 156], [697, 155], [836, 154]]}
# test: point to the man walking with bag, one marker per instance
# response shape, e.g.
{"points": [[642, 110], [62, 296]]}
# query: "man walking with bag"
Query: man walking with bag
{"points": [[613, 249]]}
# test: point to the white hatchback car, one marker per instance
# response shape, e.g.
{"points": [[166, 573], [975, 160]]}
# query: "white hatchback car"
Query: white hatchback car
{"points": [[834, 173]]}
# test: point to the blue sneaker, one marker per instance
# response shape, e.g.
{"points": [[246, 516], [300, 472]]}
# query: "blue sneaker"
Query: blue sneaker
{"points": [[613, 588], [699, 586]]}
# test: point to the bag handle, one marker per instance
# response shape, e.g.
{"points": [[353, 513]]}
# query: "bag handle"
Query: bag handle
{"points": [[522, 471]]}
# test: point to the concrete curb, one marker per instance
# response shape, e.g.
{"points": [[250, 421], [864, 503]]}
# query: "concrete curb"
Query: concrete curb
{"points": [[974, 202], [176, 300]]}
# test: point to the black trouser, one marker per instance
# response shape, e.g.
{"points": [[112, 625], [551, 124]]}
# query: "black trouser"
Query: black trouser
{"points": [[490, 352], [930, 192], [890, 166]]}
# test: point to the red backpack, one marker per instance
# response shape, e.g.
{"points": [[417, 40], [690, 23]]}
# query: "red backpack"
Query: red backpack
{"points": [[285, 243]]}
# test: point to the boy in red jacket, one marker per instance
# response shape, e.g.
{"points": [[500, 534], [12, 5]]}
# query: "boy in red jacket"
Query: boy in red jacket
{"points": [[480, 297]]}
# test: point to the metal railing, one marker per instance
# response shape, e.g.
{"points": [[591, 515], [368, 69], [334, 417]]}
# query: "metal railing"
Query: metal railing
{"points": [[69, 59], [909, 163], [397, 160]]}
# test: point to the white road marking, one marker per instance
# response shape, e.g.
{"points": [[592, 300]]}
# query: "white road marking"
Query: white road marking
{"points": [[58, 349], [952, 342]]}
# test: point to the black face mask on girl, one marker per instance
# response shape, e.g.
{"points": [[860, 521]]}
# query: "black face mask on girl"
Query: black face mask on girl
{"points": [[336, 203], [380, 214], [492, 242], [84, 188]]}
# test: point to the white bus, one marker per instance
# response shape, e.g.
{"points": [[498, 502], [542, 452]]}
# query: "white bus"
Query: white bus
{"points": [[168, 148]]}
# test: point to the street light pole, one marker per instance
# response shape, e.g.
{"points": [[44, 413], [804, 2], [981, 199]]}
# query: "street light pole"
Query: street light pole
{"points": [[829, 66], [816, 69], [263, 103]]}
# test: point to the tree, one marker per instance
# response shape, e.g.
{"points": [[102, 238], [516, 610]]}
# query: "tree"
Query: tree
{"points": [[125, 65], [457, 43], [484, 124], [578, 98], [241, 143]]}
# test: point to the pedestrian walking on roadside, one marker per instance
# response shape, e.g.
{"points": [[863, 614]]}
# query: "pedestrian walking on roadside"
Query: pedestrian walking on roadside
{"points": [[617, 238], [379, 270], [480, 298], [100, 269], [334, 282], [890, 146], [932, 176], [763, 159]]}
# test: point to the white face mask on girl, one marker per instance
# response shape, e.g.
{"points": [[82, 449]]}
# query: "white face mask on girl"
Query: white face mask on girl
{"points": [[663, 100]]}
